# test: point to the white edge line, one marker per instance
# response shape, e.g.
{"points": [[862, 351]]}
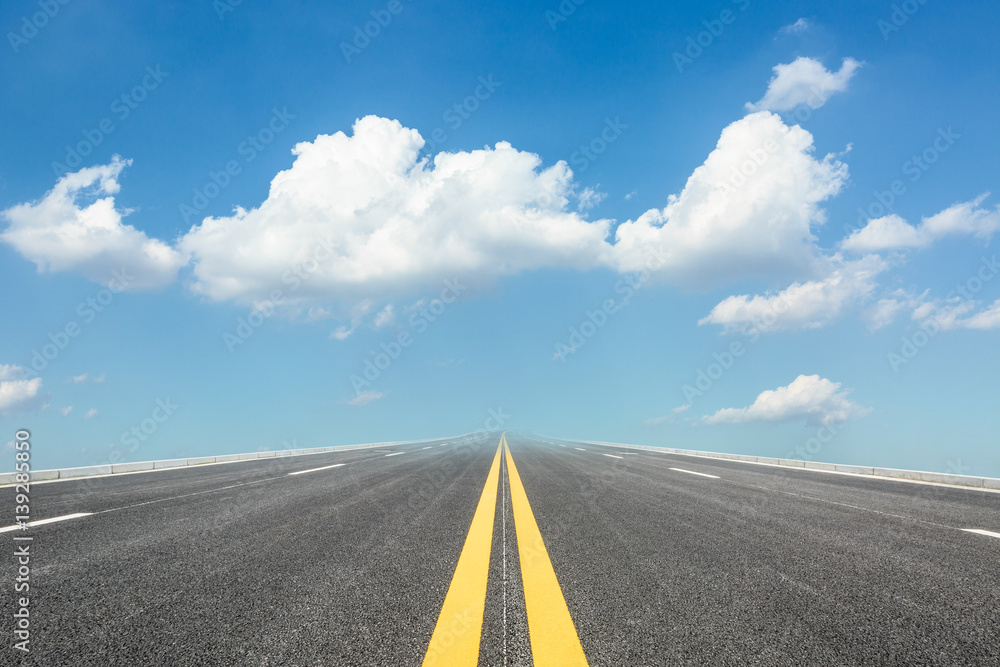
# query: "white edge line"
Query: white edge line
{"points": [[979, 531], [42, 522], [692, 472], [614, 456], [302, 472], [395, 454]]}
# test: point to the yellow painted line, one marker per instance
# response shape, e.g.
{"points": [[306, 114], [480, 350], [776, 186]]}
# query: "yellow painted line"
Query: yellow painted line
{"points": [[554, 642], [460, 625]]}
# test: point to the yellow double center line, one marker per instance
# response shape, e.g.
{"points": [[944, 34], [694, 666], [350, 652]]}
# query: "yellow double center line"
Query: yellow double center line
{"points": [[554, 641]]}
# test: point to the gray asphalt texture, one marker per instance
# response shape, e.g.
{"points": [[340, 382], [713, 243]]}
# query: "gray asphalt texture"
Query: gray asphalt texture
{"points": [[242, 564]]}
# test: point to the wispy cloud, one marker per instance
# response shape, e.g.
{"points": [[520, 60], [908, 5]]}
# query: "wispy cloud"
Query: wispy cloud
{"points": [[385, 317], [18, 393], [358, 313], [796, 28], [365, 397], [671, 418]]}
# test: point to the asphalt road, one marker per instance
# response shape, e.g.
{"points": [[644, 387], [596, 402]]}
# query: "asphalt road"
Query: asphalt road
{"points": [[246, 564]]}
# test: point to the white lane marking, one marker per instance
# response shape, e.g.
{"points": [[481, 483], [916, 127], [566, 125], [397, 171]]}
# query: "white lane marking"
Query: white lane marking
{"points": [[302, 472], [580, 448], [979, 531], [562, 445], [425, 447], [614, 457], [42, 522], [446, 444], [692, 472], [395, 454]]}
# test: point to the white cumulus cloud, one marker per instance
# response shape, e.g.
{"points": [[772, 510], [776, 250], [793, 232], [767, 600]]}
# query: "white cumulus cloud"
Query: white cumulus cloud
{"points": [[76, 227], [805, 305], [804, 81], [894, 233], [748, 210], [809, 397], [389, 222], [363, 217]]}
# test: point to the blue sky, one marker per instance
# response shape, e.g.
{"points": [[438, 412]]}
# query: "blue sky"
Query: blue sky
{"points": [[738, 192]]}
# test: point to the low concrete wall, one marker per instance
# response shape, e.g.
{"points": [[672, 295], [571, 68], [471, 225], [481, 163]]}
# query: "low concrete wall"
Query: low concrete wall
{"points": [[891, 473], [9, 478]]}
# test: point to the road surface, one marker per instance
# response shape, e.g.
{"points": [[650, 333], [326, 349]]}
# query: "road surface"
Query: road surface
{"points": [[539, 552]]}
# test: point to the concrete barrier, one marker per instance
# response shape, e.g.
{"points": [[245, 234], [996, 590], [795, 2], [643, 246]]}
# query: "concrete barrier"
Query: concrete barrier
{"points": [[132, 467], [86, 471], [170, 463], [201, 460]]}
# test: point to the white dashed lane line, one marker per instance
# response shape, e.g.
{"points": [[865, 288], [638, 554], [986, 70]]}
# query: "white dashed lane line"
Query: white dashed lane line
{"points": [[692, 472], [42, 522], [302, 472], [979, 531]]}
